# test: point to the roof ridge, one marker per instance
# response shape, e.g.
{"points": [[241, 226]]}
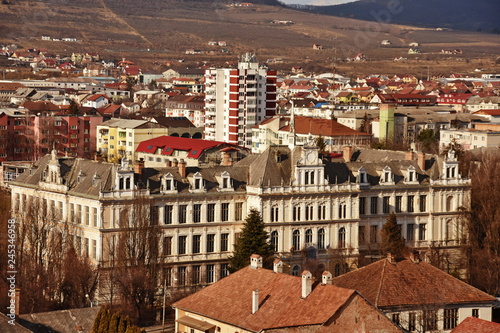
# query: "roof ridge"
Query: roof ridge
{"points": [[380, 285]]}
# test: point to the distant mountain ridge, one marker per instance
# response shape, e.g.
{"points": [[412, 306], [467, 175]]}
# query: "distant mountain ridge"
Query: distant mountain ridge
{"points": [[472, 15]]}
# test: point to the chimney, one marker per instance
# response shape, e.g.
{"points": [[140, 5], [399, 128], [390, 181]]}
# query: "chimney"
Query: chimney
{"points": [[169, 164], [139, 165], [255, 261], [306, 283], [326, 277], [175, 163], [182, 168], [415, 256], [408, 155], [347, 153], [391, 258], [255, 301], [421, 161], [278, 266], [226, 159]]}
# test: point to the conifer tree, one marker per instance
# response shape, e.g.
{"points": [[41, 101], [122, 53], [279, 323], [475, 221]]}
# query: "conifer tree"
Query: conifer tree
{"points": [[97, 320], [253, 240], [123, 325], [392, 241], [104, 322], [114, 323]]}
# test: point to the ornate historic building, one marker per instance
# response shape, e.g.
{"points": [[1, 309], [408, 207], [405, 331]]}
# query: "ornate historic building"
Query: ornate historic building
{"points": [[312, 207]]}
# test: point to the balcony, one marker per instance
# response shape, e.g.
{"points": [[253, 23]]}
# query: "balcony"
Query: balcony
{"points": [[104, 137]]}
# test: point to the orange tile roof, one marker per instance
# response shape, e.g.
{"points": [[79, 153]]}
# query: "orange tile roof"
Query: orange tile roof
{"points": [[325, 127], [476, 325], [230, 300], [386, 284]]}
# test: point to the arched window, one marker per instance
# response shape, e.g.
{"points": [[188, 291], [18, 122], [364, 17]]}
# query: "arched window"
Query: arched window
{"points": [[321, 239], [342, 238], [296, 240], [296, 270], [309, 236], [274, 240], [127, 183], [449, 203], [337, 270]]}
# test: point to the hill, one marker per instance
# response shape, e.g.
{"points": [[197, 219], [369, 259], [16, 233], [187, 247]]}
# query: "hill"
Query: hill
{"points": [[159, 30], [477, 15]]}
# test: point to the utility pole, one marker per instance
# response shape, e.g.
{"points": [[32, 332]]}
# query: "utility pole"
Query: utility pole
{"points": [[164, 293]]}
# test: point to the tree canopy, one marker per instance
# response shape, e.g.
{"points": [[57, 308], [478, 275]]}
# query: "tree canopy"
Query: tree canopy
{"points": [[253, 240]]}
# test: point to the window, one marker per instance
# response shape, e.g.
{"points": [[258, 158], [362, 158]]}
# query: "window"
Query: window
{"points": [[361, 235], [309, 236], [423, 203], [168, 214], [210, 243], [475, 313], [238, 211], [386, 205], [197, 213], [181, 275], [182, 213], [321, 239], [373, 234], [224, 270], [399, 200], [94, 249], [362, 205], [342, 211], [274, 214], [168, 276], [296, 270], [429, 320], [224, 242], [181, 246], [395, 318], [421, 232], [196, 274], [322, 212], [296, 240], [224, 212], [449, 203], [296, 213], [93, 209], [409, 202], [196, 244], [210, 273], [210, 212], [373, 205], [167, 246], [410, 232], [412, 321], [450, 318], [342, 238], [309, 213]]}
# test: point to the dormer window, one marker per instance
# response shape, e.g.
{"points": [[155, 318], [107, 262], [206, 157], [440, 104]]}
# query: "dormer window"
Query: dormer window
{"points": [[362, 176], [309, 178], [197, 183], [95, 180], [386, 177], [168, 182], [411, 176], [225, 180]]}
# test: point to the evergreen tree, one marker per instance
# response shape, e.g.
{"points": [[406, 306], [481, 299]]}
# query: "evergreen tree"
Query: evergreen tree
{"points": [[104, 322], [123, 325], [114, 323], [253, 240], [97, 320], [392, 241]]}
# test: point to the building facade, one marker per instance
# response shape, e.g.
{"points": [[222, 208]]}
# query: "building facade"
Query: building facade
{"points": [[312, 208], [238, 99]]}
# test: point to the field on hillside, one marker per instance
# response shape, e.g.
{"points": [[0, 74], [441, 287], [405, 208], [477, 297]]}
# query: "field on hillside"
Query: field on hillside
{"points": [[126, 28]]}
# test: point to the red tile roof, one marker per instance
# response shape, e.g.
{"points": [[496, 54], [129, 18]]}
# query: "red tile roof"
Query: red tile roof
{"points": [[168, 144], [281, 305], [490, 112], [476, 325], [383, 283], [324, 127]]}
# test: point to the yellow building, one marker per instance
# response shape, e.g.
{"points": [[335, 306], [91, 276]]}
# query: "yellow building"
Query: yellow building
{"points": [[118, 138]]}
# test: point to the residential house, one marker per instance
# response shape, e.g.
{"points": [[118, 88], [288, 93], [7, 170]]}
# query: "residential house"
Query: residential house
{"points": [[169, 150], [259, 300], [473, 325], [96, 101], [191, 107], [468, 138], [119, 138], [416, 295]]}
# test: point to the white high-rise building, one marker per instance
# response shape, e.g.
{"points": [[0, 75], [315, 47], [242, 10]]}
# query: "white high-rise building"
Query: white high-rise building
{"points": [[238, 99]]}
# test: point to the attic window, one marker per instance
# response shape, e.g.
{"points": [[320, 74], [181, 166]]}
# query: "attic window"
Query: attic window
{"points": [[194, 152], [150, 147], [168, 149]]}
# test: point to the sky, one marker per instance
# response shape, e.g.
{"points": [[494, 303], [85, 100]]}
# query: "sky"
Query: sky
{"points": [[317, 2]]}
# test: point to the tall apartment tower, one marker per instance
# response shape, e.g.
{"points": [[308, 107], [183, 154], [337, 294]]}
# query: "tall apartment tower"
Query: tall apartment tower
{"points": [[238, 99]]}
